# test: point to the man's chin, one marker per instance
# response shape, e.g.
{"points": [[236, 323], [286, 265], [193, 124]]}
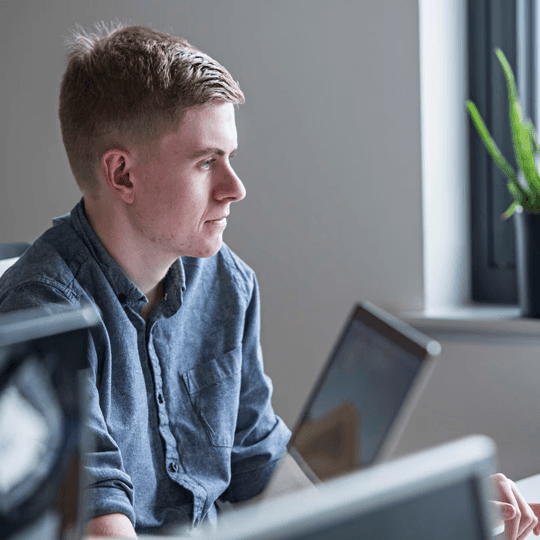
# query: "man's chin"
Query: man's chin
{"points": [[208, 250]]}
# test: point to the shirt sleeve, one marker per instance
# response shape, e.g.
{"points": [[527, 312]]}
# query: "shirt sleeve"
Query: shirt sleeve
{"points": [[109, 488], [261, 436]]}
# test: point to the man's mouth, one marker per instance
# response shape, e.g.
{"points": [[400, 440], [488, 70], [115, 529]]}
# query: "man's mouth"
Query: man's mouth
{"points": [[218, 221], [222, 219]]}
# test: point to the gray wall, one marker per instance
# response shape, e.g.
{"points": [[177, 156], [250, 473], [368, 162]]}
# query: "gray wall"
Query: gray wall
{"points": [[329, 151]]}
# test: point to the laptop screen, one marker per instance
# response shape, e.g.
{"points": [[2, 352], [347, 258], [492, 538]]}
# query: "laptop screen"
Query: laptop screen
{"points": [[357, 398]]}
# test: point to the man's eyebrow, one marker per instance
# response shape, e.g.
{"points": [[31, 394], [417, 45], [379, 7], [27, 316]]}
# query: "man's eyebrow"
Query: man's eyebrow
{"points": [[208, 151]]}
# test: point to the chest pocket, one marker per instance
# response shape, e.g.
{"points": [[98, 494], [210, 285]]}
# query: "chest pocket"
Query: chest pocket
{"points": [[214, 391]]}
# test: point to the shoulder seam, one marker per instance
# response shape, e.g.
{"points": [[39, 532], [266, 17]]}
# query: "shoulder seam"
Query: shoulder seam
{"points": [[63, 291], [248, 272]]}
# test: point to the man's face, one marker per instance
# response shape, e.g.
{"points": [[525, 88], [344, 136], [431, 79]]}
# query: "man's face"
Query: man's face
{"points": [[184, 193]]}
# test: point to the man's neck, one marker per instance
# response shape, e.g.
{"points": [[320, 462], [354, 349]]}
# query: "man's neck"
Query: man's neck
{"points": [[146, 270], [154, 298]]}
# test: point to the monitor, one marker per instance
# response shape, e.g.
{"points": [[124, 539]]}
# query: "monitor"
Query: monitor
{"points": [[441, 493], [42, 361]]}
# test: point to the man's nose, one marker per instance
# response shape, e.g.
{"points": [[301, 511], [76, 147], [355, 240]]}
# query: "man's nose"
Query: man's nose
{"points": [[231, 187]]}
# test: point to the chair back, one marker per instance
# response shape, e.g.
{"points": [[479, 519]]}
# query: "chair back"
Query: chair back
{"points": [[13, 249]]}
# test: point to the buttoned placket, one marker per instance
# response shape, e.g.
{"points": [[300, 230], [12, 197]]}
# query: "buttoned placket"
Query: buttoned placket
{"points": [[171, 454], [173, 462]]}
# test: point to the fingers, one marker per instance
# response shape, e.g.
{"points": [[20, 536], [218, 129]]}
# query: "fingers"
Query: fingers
{"points": [[528, 519], [525, 519], [535, 507], [526, 532], [507, 511], [500, 512], [506, 494]]}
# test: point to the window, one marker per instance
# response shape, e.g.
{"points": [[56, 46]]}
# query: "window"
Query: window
{"points": [[509, 25]]}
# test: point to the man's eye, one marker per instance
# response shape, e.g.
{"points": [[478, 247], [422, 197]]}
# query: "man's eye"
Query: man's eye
{"points": [[207, 164]]}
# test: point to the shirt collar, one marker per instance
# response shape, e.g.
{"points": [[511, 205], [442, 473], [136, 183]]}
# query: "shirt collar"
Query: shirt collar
{"points": [[125, 290]]}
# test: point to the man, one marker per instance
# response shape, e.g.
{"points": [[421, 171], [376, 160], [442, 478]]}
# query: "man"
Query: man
{"points": [[180, 409], [179, 406]]}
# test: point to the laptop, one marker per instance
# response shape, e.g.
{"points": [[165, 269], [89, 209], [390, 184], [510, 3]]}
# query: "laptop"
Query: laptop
{"points": [[361, 402]]}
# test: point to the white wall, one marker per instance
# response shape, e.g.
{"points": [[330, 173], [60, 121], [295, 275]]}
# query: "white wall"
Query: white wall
{"points": [[445, 174], [329, 152]]}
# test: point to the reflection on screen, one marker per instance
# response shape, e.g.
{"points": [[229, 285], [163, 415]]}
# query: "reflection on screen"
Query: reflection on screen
{"points": [[357, 401]]}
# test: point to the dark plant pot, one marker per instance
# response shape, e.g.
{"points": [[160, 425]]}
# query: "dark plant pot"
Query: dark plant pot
{"points": [[528, 262]]}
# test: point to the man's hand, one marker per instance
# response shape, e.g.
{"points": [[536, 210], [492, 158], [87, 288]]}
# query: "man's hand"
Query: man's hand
{"points": [[520, 517], [111, 526]]}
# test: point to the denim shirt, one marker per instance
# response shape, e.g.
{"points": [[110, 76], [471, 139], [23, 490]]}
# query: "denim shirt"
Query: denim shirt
{"points": [[179, 407]]}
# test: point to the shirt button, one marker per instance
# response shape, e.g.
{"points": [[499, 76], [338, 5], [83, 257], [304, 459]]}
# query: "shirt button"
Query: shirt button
{"points": [[160, 398], [174, 467]]}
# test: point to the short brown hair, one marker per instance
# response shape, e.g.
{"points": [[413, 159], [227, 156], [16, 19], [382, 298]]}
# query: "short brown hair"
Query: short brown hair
{"points": [[131, 84]]}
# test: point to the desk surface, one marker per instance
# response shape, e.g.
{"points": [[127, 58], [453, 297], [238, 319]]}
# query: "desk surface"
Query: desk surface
{"points": [[530, 488]]}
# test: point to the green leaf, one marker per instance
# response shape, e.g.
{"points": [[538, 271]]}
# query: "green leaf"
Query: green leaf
{"points": [[513, 184], [510, 210], [532, 133], [521, 136]]}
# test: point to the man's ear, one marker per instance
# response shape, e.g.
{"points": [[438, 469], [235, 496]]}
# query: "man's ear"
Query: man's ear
{"points": [[116, 166]]}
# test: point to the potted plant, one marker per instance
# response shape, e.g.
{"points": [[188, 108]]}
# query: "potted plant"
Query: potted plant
{"points": [[524, 188]]}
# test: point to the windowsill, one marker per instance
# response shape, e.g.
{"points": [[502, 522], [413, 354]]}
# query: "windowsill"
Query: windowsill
{"points": [[476, 322]]}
